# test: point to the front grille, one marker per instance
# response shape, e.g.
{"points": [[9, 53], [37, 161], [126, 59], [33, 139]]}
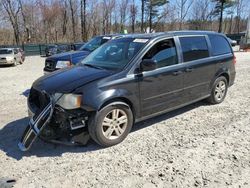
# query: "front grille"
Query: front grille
{"points": [[50, 65], [3, 58], [38, 100]]}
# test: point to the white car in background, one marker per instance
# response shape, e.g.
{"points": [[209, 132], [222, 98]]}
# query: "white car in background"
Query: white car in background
{"points": [[10, 56]]}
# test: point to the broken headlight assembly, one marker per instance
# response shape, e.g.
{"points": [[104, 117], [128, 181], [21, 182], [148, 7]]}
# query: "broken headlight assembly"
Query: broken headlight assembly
{"points": [[69, 101]]}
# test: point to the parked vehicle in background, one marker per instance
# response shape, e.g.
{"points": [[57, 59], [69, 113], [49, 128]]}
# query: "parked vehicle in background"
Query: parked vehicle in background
{"points": [[10, 56], [232, 42], [68, 59], [56, 49], [128, 80], [77, 46]]}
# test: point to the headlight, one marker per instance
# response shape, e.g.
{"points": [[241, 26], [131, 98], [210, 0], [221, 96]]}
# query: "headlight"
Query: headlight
{"points": [[62, 64], [70, 101], [9, 58]]}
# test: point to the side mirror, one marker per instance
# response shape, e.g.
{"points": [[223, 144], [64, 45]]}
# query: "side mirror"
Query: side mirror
{"points": [[148, 65]]}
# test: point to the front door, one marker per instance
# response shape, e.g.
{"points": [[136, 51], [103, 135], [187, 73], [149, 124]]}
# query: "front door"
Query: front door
{"points": [[161, 89]]}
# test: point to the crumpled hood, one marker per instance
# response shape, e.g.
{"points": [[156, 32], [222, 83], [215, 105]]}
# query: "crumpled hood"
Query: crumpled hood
{"points": [[74, 57], [69, 79]]}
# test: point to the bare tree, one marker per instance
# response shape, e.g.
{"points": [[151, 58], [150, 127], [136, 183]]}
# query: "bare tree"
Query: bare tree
{"points": [[133, 12], [123, 5], [64, 18], [83, 20], [73, 21], [27, 30], [142, 14], [201, 14], [239, 10], [13, 8], [183, 9]]}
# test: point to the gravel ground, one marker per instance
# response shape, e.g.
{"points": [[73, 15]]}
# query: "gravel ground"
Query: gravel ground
{"points": [[197, 146]]}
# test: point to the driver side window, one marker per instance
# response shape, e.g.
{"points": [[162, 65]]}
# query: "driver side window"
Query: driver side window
{"points": [[164, 53]]}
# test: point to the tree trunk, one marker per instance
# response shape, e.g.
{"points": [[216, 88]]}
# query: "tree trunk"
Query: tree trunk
{"points": [[73, 20], [24, 21], [83, 20], [150, 17], [221, 17], [142, 14]]}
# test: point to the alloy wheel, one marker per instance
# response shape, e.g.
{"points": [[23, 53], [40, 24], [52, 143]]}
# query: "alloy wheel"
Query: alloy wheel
{"points": [[114, 124], [220, 90]]}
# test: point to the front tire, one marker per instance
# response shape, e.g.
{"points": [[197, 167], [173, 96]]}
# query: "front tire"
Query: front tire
{"points": [[219, 91], [111, 124], [15, 63]]}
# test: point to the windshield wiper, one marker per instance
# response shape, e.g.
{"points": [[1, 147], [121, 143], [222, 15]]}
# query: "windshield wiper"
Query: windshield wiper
{"points": [[93, 66]]}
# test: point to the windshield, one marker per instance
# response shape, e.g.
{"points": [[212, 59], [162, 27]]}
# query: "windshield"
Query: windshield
{"points": [[6, 51], [78, 46], [115, 54], [94, 43]]}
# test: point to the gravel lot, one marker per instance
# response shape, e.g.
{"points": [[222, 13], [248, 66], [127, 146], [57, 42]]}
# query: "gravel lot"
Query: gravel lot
{"points": [[197, 146]]}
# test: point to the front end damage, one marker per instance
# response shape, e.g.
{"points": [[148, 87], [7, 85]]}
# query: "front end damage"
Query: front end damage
{"points": [[50, 122]]}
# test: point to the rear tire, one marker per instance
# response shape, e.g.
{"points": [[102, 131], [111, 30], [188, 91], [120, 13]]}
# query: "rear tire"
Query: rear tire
{"points": [[111, 124], [219, 91]]}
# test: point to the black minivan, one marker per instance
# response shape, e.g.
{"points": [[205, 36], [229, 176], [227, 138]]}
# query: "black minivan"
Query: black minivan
{"points": [[128, 80]]}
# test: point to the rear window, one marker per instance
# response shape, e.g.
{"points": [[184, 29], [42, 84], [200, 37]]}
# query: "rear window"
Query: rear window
{"points": [[219, 45], [194, 48]]}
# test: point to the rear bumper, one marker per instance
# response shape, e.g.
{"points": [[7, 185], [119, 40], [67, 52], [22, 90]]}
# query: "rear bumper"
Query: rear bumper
{"points": [[232, 78]]}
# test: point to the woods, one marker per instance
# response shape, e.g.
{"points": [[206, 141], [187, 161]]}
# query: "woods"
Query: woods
{"points": [[53, 21]]}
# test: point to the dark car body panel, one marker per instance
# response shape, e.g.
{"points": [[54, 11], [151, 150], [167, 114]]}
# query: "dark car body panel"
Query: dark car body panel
{"points": [[68, 79]]}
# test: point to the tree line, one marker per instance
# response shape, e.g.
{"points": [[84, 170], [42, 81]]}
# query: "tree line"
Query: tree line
{"points": [[55, 21]]}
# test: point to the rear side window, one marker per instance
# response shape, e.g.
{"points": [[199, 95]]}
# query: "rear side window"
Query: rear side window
{"points": [[219, 45], [194, 48]]}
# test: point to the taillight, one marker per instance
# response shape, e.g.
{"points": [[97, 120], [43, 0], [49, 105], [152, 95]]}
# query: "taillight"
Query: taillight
{"points": [[234, 61]]}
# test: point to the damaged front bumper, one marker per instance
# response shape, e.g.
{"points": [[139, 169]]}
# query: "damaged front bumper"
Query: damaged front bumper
{"points": [[36, 125], [43, 121]]}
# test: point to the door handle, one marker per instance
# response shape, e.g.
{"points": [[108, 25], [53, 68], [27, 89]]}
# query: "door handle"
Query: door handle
{"points": [[176, 73], [189, 69]]}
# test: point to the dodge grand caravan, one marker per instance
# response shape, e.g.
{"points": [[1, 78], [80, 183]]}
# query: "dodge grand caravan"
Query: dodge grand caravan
{"points": [[128, 80]]}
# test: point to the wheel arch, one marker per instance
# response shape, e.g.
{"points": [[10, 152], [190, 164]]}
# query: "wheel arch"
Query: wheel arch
{"points": [[221, 72], [116, 100]]}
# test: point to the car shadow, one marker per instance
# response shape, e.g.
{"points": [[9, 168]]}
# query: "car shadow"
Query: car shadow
{"points": [[6, 66], [148, 122], [12, 132]]}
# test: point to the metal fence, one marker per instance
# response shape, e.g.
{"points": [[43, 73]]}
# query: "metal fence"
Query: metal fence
{"points": [[30, 49]]}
